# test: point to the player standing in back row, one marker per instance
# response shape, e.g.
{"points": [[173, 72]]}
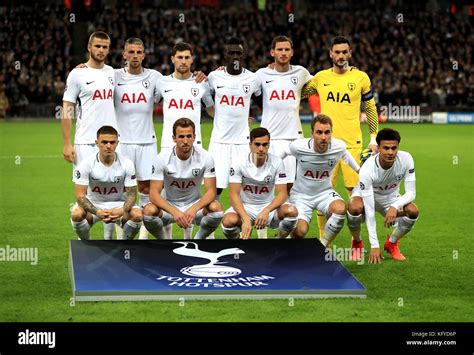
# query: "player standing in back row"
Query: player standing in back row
{"points": [[88, 97], [342, 89], [281, 92], [233, 88], [182, 93], [135, 91]]}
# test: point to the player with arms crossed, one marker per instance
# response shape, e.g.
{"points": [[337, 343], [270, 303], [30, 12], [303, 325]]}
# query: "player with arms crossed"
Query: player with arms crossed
{"points": [[316, 159], [379, 190], [106, 189], [135, 91], [233, 88], [253, 181], [341, 89], [180, 171]]}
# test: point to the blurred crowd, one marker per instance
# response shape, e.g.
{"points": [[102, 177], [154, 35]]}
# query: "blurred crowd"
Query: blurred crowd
{"points": [[420, 57]]}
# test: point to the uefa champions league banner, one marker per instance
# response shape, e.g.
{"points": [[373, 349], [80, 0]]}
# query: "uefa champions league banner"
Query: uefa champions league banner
{"points": [[207, 269]]}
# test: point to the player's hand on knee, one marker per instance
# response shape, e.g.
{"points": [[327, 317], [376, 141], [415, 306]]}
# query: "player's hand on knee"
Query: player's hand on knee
{"points": [[69, 154], [390, 217], [262, 220], [375, 256], [246, 229]]}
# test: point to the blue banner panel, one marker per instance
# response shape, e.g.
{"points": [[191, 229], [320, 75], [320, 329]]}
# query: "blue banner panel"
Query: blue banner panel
{"points": [[207, 269]]}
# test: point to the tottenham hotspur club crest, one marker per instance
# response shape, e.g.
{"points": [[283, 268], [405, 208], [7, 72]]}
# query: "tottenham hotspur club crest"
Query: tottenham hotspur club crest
{"points": [[111, 80], [214, 268], [196, 172], [246, 88], [294, 80], [331, 162], [268, 178], [117, 179], [146, 83], [195, 92]]}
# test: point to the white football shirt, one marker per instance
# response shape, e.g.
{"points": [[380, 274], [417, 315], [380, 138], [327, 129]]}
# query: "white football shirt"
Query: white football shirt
{"points": [[105, 183], [232, 105], [134, 99], [314, 169], [181, 98], [182, 178], [92, 90], [375, 181], [281, 101], [258, 183]]}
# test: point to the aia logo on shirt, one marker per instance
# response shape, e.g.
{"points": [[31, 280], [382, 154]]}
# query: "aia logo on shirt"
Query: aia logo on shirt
{"points": [[133, 98], [105, 190], [102, 94], [232, 101], [182, 185], [282, 95], [316, 174], [181, 104], [256, 190]]}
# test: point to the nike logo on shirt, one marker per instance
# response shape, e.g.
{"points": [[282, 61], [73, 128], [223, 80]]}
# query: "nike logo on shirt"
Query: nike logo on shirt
{"points": [[89, 82]]}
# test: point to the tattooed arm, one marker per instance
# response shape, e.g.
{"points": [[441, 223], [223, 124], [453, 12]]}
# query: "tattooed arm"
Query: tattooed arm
{"points": [[130, 198], [88, 206]]}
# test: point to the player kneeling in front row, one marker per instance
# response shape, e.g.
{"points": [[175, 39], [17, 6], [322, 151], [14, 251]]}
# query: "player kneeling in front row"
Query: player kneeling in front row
{"points": [[180, 172], [379, 190], [316, 158], [101, 180], [253, 180]]}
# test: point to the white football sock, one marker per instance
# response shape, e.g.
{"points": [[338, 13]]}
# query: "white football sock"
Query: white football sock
{"points": [[155, 226], [332, 228], [405, 225], [208, 224], [231, 233], [262, 233], [109, 231], [188, 232], [81, 229], [131, 229], [143, 235]]}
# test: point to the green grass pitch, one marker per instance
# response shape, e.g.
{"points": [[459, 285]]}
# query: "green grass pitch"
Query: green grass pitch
{"points": [[433, 284]]}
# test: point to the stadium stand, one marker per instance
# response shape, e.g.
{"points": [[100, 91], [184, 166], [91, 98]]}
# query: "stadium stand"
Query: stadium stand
{"points": [[417, 56]]}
